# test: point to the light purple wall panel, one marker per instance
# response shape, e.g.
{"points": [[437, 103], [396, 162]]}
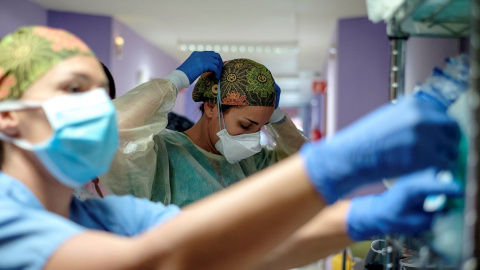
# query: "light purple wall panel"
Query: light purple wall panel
{"points": [[191, 107], [423, 54], [363, 69], [94, 30], [139, 60], [17, 13]]}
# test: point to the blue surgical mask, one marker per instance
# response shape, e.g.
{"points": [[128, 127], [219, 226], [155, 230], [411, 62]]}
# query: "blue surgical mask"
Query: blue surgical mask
{"points": [[238, 147], [84, 137]]}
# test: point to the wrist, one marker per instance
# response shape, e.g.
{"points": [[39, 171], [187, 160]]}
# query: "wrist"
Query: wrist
{"points": [[315, 157], [361, 223], [179, 79]]}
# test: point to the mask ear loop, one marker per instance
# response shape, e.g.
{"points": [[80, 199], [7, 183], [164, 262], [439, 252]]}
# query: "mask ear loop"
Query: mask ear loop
{"points": [[16, 105], [220, 113]]}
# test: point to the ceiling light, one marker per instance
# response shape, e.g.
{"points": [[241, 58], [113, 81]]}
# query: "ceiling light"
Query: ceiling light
{"points": [[277, 48], [119, 42]]}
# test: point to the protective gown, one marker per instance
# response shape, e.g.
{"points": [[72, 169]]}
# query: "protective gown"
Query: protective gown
{"points": [[166, 166]]}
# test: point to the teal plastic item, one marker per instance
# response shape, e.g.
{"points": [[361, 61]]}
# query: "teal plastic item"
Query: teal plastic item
{"points": [[447, 227], [447, 11]]}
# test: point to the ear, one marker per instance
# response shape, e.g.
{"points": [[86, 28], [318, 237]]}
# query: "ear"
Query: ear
{"points": [[210, 109], [9, 123]]}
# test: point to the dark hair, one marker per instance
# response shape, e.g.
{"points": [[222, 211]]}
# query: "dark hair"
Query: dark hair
{"points": [[111, 83], [224, 108]]}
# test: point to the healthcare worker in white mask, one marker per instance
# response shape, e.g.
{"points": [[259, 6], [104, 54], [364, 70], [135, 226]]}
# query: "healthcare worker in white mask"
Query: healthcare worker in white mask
{"points": [[222, 148]]}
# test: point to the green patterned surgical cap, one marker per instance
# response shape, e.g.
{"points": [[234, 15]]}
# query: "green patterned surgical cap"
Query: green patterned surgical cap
{"points": [[27, 54], [243, 83]]}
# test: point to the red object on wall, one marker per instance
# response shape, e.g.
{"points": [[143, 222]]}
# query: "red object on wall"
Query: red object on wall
{"points": [[319, 86], [315, 134]]}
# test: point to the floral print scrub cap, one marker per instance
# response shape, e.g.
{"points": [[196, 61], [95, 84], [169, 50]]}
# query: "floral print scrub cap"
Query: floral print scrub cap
{"points": [[243, 82], [30, 52]]}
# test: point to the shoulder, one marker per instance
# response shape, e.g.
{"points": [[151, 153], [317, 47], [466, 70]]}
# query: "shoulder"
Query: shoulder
{"points": [[175, 139], [128, 214], [32, 232]]}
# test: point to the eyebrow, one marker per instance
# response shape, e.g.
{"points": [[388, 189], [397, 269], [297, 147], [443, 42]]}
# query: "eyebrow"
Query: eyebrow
{"points": [[251, 121], [105, 84]]}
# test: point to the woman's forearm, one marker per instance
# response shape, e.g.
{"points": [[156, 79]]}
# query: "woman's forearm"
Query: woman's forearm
{"points": [[137, 106], [235, 228], [324, 235]]}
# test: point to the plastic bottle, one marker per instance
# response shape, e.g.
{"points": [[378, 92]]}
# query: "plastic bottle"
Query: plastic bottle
{"points": [[446, 85]]}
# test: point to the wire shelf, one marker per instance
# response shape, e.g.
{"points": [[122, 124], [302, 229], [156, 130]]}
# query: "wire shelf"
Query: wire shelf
{"points": [[431, 18]]}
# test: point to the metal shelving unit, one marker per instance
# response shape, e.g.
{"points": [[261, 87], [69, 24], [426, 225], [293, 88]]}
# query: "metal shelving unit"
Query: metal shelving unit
{"points": [[445, 19], [423, 18]]}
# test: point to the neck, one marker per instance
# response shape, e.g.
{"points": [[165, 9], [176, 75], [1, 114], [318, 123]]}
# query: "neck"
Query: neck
{"points": [[200, 135], [24, 166]]}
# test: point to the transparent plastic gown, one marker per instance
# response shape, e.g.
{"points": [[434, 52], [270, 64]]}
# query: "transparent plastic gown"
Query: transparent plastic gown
{"points": [[166, 166]]}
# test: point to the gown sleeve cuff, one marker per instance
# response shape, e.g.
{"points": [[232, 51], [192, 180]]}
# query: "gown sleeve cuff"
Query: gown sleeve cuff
{"points": [[179, 79]]}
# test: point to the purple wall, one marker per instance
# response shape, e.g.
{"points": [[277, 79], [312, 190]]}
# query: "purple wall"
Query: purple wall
{"points": [[191, 107], [94, 30], [17, 13], [363, 69], [139, 59]]}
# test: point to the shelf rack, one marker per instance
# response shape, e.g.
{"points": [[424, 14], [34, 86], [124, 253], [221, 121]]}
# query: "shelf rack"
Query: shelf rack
{"points": [[445, 19], [423, 18]]}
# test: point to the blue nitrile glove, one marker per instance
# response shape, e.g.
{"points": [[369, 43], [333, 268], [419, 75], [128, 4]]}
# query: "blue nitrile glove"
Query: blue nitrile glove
{"points": [[399, 209], [199, 62], [277, 94], [393, 140]]}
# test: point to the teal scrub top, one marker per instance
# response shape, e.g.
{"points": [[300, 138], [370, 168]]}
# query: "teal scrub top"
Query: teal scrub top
{"points": [[186, 173]]}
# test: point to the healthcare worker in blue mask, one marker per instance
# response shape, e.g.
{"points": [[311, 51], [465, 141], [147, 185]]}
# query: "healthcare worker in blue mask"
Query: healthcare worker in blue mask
{"points": [[222, 148], [59, 130]]}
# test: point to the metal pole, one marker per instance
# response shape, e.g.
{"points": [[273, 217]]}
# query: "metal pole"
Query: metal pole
{"points": [[397, 67], [397, 90]]}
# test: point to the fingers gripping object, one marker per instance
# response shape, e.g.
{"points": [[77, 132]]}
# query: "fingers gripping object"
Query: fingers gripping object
{"points": [[200, 62], [394, 140], [399, 209]]}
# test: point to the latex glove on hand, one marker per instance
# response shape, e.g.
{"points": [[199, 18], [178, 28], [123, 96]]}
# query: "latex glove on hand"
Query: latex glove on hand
{"points": [[394, 140], [200, 62], [399, 209]]}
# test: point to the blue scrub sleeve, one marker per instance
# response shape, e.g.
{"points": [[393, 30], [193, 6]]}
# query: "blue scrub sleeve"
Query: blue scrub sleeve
{"points": [[121, 215], [28, 237]]}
